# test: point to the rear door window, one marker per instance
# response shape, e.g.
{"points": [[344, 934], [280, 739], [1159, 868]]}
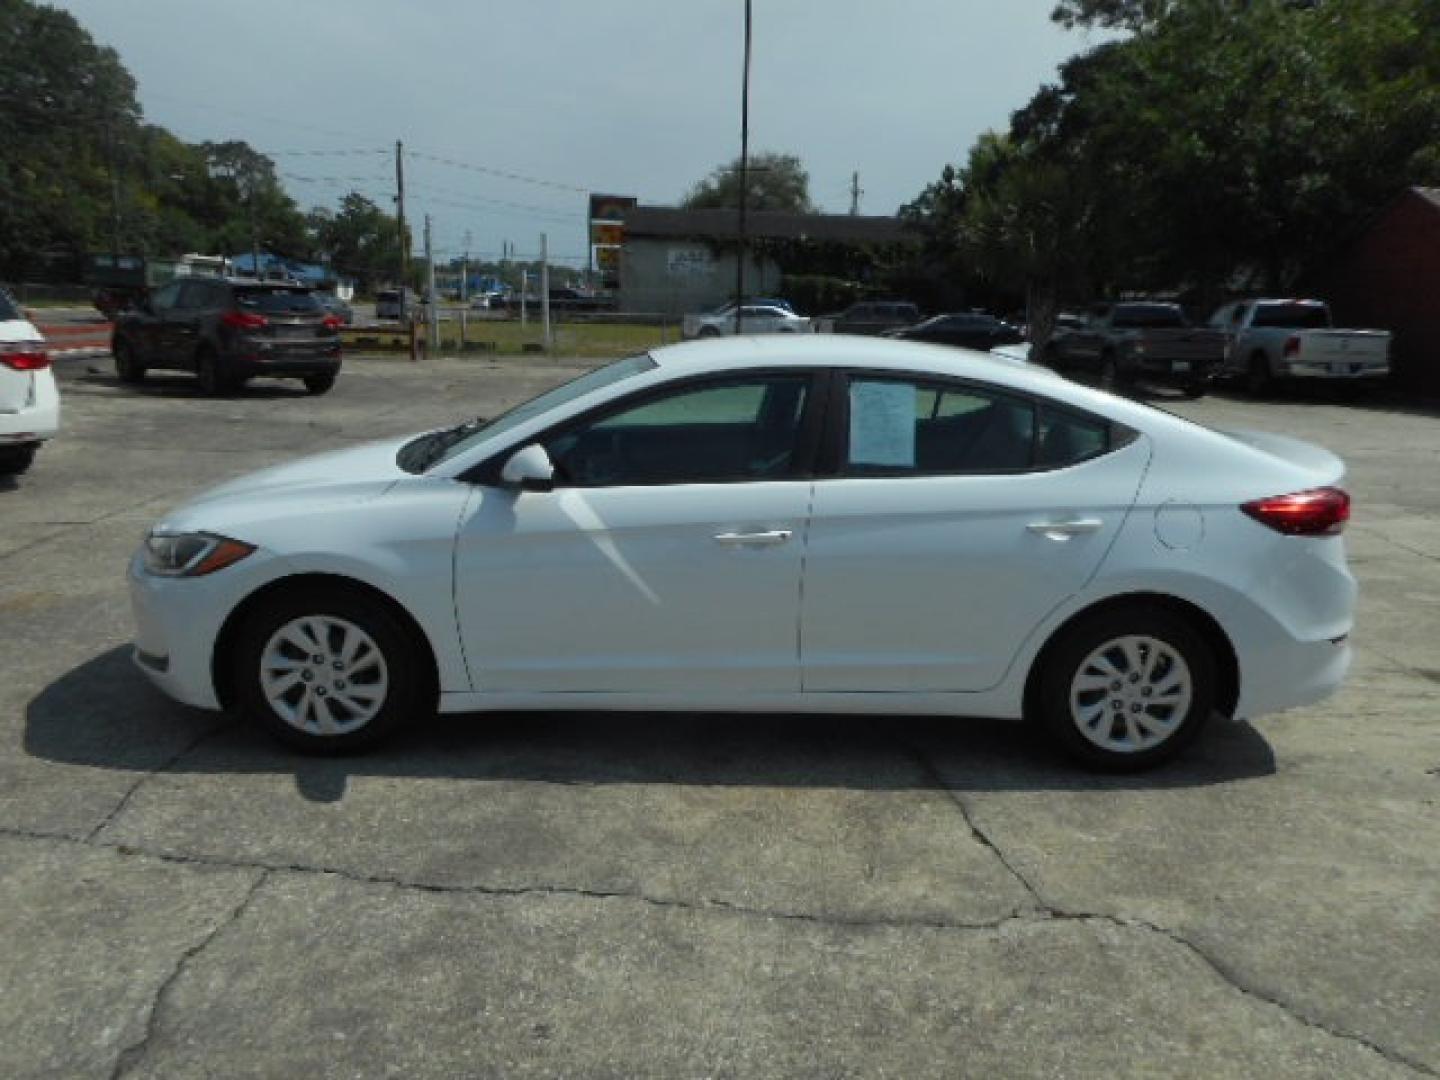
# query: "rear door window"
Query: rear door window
{"points": [[8, 310]]}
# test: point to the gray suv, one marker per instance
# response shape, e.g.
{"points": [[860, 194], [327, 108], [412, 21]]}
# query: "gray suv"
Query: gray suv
{"points": [[229, 331]]}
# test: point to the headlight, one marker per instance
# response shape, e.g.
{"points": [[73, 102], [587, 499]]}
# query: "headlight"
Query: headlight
{"points": [[191, 554]]}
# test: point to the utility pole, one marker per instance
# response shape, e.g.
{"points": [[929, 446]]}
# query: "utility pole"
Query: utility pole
{"points": [[744, 174], [465, 270], [855, 192], [545, 293], [433, 309], [404, 281]]}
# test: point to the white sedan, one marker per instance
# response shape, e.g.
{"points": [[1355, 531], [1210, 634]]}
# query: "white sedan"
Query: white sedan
{"points": [[29, 399], [754, 319], [807, 524]]}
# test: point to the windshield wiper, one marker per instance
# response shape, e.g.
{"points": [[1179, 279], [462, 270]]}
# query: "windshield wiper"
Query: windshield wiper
{"points": [[438, 442]]}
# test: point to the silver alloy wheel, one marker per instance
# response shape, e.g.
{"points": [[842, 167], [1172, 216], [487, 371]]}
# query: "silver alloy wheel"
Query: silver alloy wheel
{"points": [[323, 675], [1131, 694]]}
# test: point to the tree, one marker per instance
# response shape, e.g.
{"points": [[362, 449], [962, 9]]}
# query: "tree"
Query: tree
{"points": [[773, 182], [360, 241]]}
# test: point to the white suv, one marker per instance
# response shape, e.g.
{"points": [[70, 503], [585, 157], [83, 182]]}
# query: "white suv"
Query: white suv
{"points": [[29, 399]]}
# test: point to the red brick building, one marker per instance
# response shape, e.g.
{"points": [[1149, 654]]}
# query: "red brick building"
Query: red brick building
{"points": [[1388, 278]]}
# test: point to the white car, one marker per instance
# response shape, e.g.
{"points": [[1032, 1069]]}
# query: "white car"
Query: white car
{"points": [[29, 399], [754, 319], [817, 524]]}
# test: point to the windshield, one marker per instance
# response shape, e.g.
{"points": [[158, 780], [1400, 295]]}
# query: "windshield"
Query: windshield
{"points": [[438, 446], [1292, 316]]}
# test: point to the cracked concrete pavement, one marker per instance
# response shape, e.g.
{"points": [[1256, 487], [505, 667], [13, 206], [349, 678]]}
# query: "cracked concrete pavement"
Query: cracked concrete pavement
{"points": [[688, 895]]}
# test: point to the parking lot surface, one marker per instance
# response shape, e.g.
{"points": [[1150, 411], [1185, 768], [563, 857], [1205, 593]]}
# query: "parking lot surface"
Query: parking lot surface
{"points": [[695, 895]]}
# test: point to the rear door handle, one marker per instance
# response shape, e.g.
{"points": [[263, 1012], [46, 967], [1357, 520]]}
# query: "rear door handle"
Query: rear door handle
{"points": [[754, 539], [1064, 530]]}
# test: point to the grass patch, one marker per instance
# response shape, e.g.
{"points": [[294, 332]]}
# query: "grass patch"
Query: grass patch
{"points": [[571, 339]]}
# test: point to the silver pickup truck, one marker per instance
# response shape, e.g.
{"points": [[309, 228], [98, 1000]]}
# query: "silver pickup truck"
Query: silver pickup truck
{"points": [[1296, 339]]}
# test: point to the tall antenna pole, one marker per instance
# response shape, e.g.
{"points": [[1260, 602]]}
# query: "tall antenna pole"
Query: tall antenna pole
{"points": [[404, 282], [741, 246], [855, 193]]}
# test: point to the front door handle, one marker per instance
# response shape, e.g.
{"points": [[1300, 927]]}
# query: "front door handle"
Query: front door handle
{"points": [[754, 539], [1064, 530]]}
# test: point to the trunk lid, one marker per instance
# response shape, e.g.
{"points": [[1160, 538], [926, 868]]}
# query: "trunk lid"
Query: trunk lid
{"points": [[1342, 349], [1311, 465], [17, 388]]}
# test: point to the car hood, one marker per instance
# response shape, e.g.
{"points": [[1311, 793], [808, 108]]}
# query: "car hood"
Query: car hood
{"points": [[311, 483]]}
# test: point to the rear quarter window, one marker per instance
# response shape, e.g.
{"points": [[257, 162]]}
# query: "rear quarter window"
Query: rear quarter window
{"points": [[8, 309]]}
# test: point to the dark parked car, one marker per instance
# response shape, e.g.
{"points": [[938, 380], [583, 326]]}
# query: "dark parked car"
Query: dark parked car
{"points": [[228, 331], [875, 317], [1140, 341], [333, 305], [968, 330]]}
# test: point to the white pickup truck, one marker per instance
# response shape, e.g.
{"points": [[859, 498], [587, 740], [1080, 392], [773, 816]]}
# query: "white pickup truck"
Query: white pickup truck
{"points": [[1296, 339]]}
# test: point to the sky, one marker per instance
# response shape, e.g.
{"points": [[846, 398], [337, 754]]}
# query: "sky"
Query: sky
{"points": [[557, 98]]}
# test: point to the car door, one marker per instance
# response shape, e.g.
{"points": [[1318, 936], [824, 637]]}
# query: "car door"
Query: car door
{"points": [[667, 558], [179, 329], [146, 325], [959, 517]]}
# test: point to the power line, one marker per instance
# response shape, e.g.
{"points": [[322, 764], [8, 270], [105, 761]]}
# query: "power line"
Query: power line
{"points": [[504, 173]]}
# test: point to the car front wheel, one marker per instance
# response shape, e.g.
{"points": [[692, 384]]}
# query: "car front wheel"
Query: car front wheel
{"points": [[1126, 689], [329, 671], [14, 460], [128, 368], [318, 384]]}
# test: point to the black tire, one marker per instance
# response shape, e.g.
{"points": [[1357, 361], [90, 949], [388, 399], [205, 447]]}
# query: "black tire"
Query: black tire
{"points": [[1058, 706], [15, 460], [1111, 377], [1050, 357], [408, 694], [1194, 391], [1259, 382], [214, 382], [708, 332], [318, 384], [128, 368]]}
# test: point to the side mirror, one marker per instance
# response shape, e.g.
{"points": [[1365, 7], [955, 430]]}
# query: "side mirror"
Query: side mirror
{"points": [[529, 469]]}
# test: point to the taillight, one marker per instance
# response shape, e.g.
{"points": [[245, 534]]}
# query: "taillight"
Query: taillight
{"points": [[24, 357], [332, 322], [1292, 345], [244, 320], [1317, 512]]}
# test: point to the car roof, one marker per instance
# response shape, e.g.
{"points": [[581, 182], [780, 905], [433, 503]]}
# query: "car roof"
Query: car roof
{"points": [[720, 355]]}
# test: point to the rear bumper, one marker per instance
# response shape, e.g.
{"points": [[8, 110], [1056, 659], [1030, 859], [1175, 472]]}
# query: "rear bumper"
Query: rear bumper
{"points": [[38, 419], [1347, 372], [285, 362]]}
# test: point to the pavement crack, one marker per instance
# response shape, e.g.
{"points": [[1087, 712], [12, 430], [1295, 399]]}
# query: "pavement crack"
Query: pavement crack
{"points": [[1237, 982], [979, 835], [1044, 910], [133, 1054], [164, 766]]}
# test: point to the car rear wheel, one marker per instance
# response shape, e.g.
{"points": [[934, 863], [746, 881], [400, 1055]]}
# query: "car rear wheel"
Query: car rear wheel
{"points": [[1110, 377], [14, 460], [329, 671], [128, 368], [213, 380], [1126, 689], [708, 332], [1258, 380], [318, 384]]}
